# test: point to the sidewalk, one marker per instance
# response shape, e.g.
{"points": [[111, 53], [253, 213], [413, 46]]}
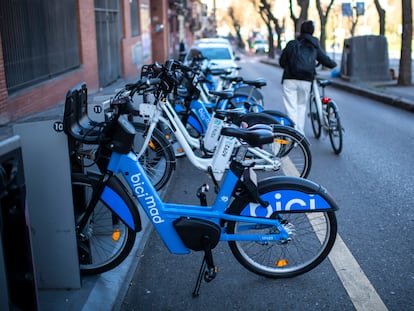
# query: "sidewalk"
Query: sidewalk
{"points": [[387, 92], [106, 291]]}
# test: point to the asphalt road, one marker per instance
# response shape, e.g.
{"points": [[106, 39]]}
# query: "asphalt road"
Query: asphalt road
{"points": [[370, 267]]}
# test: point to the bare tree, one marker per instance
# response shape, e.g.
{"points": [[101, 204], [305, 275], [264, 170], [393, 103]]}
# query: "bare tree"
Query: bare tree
{"points": [[354, 21], [405, 69], [381, 14], [237, 27], [268, 18], [303, 14], [279, 29], [323, 17]]}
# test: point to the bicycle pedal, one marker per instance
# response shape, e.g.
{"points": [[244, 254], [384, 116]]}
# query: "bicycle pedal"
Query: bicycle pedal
{"points": [[201, 194], [210, 274]]}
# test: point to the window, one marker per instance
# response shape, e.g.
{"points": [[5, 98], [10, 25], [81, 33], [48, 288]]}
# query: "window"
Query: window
{"points": [[216, 53], [40, 40], [133, 7]]}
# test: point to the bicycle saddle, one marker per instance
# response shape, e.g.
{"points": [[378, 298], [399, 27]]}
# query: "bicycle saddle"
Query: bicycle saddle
{"points": [[324, 83], [232, 78], [231, 114], [259, 82], [223, 94], [255, 136]]}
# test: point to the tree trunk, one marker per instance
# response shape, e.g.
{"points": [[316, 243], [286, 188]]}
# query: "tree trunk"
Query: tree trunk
{"points": [[323, 17], [381, 14], [404, 76], [267, 17], [303, 14]]}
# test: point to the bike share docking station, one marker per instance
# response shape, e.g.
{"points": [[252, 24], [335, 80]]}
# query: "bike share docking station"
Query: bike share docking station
{"points": [[17, 282], [50, 202]]}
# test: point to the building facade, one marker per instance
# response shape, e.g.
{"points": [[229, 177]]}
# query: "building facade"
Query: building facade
{"points": [[47, 47]]}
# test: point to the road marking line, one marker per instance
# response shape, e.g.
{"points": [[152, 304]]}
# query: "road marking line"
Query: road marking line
{"points": [[289, 168], [363, 295], [360, 290]]}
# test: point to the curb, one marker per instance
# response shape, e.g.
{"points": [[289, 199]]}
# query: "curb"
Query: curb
{"points": [[393, 100]]}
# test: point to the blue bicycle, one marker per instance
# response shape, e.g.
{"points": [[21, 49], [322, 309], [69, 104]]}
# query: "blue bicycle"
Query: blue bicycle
{"points": [[279, 227], [198, 89]]}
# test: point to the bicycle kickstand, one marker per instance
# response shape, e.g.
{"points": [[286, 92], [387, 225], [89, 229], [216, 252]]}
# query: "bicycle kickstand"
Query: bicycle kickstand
{"points": [[207, 270]]}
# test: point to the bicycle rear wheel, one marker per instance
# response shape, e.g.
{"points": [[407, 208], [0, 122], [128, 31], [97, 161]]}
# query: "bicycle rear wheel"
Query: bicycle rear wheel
{"points": [[311, 237], [288, 155], [314, 116], [105, 240], [158, 160], [335, 128]]}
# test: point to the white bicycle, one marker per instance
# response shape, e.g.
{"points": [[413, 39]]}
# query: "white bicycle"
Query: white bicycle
{"points": [[324, 115]]}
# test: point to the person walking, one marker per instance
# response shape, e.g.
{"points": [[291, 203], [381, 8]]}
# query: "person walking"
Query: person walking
{"points": [[299, 59]]}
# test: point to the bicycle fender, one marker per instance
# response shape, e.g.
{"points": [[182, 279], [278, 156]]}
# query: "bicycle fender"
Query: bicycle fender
{"points": [[200, 116], [285, 194], [334, 105], [116, 197], [195, 124]]}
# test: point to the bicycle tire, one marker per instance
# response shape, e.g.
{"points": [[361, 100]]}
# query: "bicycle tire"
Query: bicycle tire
{"points": [[169, 135], [290, 151], [158, 159], [99, 248], [306, 249], [314, 116], [335, 128]]}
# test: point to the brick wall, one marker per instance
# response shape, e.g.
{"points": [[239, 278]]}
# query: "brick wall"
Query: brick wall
{"points": [[52, 92], [4, 114], [160, 46]]}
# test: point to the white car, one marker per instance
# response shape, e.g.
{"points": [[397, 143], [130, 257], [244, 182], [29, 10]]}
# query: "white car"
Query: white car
{"points": [[220, 56], [261, 46], [212, 40]]}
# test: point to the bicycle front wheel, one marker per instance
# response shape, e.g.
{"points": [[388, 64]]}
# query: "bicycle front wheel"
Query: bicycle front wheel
{"points": [[104, 241], [311, 239], [314, 116], [158, 159], [311, 235], [335, 128]]}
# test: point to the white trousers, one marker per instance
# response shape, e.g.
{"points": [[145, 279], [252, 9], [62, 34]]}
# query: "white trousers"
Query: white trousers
{"points": [[295, 99]]}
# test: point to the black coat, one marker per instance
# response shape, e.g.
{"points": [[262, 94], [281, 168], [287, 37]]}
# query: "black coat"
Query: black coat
{"points": [[321, 57]]}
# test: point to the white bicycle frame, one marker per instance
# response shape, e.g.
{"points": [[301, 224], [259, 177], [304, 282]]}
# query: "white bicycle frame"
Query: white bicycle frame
{"points": [[225, 146], [317, 96]]}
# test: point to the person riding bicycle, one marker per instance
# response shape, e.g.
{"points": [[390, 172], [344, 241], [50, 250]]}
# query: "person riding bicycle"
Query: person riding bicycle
{"points": [[298, 59]]}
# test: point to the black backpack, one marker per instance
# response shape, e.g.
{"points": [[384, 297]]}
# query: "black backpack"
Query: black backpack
{"points": [[303, 59]]}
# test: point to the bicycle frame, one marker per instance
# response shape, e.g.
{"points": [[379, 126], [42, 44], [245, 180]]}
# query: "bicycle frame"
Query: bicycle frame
{"points": [[162, 215], [218, 162], [316, 93]]}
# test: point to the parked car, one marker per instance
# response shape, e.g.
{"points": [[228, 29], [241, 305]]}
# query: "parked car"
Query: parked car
{"points": [[261, 46], [219, 55], [212, 40]]}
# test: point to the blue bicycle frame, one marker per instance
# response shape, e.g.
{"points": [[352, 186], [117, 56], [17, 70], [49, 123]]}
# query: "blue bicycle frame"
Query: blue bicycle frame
{"points": [[162, 215], [201, 116]]}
